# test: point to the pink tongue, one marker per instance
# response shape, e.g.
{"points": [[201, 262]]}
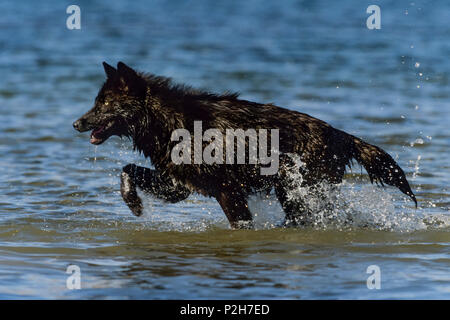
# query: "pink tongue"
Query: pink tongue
{"points": [[94, 140], [98, 130]]}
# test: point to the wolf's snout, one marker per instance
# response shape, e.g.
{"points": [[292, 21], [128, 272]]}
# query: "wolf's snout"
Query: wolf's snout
{"points": [[77, 125], [80, 125]]}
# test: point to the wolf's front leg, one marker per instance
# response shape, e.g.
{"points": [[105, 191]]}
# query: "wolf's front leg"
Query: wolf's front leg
{"points": [[236, 209], [150, 181]]}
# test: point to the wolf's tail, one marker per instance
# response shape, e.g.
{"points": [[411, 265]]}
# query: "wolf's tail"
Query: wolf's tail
{"points": [[381, 167]]}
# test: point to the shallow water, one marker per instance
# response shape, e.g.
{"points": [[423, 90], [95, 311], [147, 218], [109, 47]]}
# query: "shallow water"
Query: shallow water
{"points": [[59, 198]]}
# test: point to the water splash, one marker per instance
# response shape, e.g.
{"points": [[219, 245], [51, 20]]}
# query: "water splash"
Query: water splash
{"points": [[95, 155], [266, 210], [417, 141], [355, 205], [188, 216], [416, 167]]}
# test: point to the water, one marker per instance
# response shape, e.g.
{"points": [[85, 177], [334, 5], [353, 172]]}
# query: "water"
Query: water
{"points": [[59, 199]]}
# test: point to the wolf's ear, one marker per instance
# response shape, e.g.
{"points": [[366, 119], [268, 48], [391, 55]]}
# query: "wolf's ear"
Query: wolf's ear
{"points": [[109, 70], [129, 78], [127, 73]]}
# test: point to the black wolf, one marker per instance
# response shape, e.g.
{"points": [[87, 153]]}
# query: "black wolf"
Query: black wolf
{"points": [[148, 108]]}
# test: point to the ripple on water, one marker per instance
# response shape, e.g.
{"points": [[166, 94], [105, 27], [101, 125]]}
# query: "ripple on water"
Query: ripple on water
{"points": [[59, 196]]}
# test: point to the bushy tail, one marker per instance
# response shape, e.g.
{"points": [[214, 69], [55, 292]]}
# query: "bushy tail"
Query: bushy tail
{"points": [[381, 167]]}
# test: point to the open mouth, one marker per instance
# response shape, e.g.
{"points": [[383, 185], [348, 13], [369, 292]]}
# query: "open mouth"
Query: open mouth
{"points": [[101, 134]]}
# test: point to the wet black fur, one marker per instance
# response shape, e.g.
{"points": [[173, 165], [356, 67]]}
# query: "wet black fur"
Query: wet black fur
{"points": [[147, 109]]}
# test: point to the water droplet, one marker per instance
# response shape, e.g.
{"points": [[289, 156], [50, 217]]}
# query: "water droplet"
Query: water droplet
{"points": [[417, 141]]}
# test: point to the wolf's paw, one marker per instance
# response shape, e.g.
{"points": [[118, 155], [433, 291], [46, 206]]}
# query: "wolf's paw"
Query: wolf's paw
{"points": [[242, 224], [129, 194]]}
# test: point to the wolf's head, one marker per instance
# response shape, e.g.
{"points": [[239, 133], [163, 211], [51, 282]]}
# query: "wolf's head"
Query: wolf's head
{"points": [[115, 105]]}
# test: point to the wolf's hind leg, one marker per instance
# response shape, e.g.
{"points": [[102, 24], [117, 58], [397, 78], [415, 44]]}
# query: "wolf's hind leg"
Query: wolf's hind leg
{"points": [[150, 181], [297, 212], [302, 209]]}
